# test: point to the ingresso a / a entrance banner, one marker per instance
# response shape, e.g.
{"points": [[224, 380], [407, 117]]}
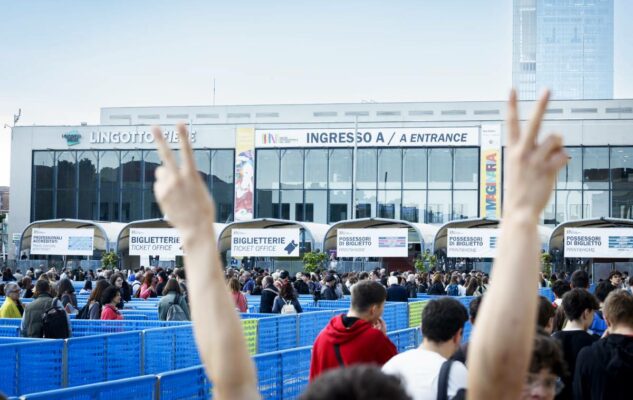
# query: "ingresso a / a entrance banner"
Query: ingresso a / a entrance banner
{"points": [[599, 242], [62, 241], [372, 242], [265, 242], [162, 242], [471, 243]]}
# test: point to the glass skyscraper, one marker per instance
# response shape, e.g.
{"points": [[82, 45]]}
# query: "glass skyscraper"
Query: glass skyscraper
{"points": [[564, 45]]}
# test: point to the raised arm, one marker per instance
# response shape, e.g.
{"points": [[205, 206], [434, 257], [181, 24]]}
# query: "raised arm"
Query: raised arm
{"points": [[502, 342], [183, 197]]}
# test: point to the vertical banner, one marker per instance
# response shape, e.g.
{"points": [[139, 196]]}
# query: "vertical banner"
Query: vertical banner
{"points": [[244, 173], [490, 173]]}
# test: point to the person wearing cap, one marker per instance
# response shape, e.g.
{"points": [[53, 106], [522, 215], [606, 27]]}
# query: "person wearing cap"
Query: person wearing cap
{"points": [[329, 293]]}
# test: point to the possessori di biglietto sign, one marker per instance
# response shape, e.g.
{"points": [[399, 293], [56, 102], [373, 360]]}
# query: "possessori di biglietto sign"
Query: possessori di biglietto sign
{"points": [[162, 242], [391, 242], [62, 241], [598, 242], [265, 242], [471, 243], [383, 137]]}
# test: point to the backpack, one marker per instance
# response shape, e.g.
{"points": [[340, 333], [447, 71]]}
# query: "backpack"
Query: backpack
{"points": [[84, 313], [452, 290], [442, 383], [55, 322], [175, 312], [288, 307]]}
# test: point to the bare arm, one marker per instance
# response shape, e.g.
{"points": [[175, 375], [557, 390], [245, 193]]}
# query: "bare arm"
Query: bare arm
{"points": [[502, 342], [185, 200]]}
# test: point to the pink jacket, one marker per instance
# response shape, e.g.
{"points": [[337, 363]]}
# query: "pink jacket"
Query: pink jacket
{"points": [[240, 302], [110, 312], [146, 291]]}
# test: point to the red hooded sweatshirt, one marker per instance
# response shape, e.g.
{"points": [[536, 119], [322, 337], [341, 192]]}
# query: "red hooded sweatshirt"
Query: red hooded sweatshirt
{"points": [[361, 343]]}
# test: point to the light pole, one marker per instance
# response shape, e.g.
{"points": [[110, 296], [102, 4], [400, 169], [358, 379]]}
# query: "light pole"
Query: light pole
{"points": [[354, 166]]}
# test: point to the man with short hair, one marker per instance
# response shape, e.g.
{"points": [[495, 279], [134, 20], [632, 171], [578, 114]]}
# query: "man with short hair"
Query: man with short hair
{"points": [[396, 292], [329, 291], [249, 283], [269, 292], [579, 306], [443, 322], [301, 284], [604, 369], [358, 337], [32, 322], [599, 325], [559, 288], [615, 277], [546, 312], [579, 279]]}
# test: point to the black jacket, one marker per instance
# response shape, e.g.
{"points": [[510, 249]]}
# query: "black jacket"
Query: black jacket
{"points": [[301, 287], [397, 293], [603, 369], [329, 294], [268, 298], [412, 289], [436, 288]]}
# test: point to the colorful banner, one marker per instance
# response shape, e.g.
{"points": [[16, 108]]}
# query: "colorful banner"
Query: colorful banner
{"points": [[598, 243], [162, 242], [372, 242], [383, 137], [244, 173], [265, 242], [490, 183], [62, 242], [471, 243]]}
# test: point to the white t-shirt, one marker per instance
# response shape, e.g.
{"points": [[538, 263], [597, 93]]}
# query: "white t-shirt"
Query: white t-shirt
{"points": [[419, 370]]}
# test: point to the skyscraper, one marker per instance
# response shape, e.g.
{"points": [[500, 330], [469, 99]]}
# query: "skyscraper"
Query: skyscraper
{"points": [[564, 45]]}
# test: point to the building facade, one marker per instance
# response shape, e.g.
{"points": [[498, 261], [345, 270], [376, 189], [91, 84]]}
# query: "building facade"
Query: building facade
{"points": [[418, 162], [563, 45]]}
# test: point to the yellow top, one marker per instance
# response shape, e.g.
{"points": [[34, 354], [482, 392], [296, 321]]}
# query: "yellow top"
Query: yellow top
{"points": [[9, 309]]}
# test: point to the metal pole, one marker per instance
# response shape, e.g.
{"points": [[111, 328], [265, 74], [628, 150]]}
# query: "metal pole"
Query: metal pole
{"points": [[354, 168]]}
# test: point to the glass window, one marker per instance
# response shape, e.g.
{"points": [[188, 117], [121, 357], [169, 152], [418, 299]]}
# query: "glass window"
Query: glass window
{"points": [[43, 165], [43, 205], [389, 204], [152, 161], [568, 205], [131, 169], [414, 165], [315, 208], [440, 168], [151, 209], [292, 204], [267, 203], [595, 203], [366, 169], [267, 171], [465, 204], [413, 205], [223, 166], [316, 169], [66, 204], [87, 171], [548, 216], [596, 167], [438, 209], [131, 205], [365, 203], [292, 169], [66, 170], [109, 181], [467, 168], [340, 169], [389, 169], [203, 163], [622, 168], [340, 206], [570, 176], [87, 204], [622, 204]]}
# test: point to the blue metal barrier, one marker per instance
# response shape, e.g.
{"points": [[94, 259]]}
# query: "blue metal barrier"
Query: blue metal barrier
{"points": [[140, 388], [283, 374], [406, 339]]}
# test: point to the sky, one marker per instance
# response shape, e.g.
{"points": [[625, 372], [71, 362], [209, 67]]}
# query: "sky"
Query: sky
{"points": [[61, 61]]}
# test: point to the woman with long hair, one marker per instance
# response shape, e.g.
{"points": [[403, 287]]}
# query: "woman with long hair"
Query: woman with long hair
{"points": [[148, 288], [286, 300], [172, 295], [241, 304], [117, 280], [94, 301], [66, 293]]}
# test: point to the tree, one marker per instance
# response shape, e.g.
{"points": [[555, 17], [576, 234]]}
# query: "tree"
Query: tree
{"points": [[546, 263], [312, 260], [110, 260], [419, 266]]}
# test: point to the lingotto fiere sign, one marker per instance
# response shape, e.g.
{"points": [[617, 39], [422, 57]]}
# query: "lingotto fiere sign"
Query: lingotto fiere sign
{"points": [[472, 243], [372, 242], [163, 242], [265, 242], [62, 242], [598, 242]]}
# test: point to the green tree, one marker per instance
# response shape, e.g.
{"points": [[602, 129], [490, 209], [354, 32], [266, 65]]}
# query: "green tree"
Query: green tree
{"points": [[546, 263], [312, 260], [109, 260]]}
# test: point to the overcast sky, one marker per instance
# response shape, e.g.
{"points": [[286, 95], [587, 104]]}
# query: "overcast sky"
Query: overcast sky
{"points": [[61, 61]]}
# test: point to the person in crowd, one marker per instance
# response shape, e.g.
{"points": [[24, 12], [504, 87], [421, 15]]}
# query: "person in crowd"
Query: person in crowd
{"points": [[257, 290], [473, 288], [27, 288], [615, 277], [139, 278], [12, 307], [329, 291], [357, 337], [442, 328], [7, 275], [162, 281], [629, 285], [94, 301], [286, 302], [411, 286], [117, 280], [461, 354], [547, 367], [545, 316], [66, 293], [172, 294], [559, 288], [437, 288], [301, 285], [241, 304], [149, 286], [453, 287], [284, 276], [87, 289], [269, 293], [579, 306], [18, 275], [182, 282], [110, 298], [249, 283], [603, 369], [32, 322], [423, 283], [579, 279], [314, 285], [396, 292]]}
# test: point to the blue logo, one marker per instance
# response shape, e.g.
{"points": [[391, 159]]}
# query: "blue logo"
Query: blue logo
{"points": [[291, 247], [72, 137]]}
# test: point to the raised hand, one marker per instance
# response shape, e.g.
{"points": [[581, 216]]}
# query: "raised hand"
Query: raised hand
{"points": [[180, 191], [531, 167]]}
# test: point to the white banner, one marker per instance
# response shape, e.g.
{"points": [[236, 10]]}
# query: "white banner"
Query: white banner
{"points": [[472, 243], [383, 137], [62, 242], [265, 242], [162, 242], [372, 242], [598, 242]]}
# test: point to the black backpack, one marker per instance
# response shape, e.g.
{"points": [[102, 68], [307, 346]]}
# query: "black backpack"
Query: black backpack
{"points": [[55, 322], [442, 383], [84, 313]]}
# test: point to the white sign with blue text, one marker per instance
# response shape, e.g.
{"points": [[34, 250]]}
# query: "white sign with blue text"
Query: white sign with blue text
{"points": [[62, 241], [392, 242], [472, 243], [598, 242], [265, 242]]}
